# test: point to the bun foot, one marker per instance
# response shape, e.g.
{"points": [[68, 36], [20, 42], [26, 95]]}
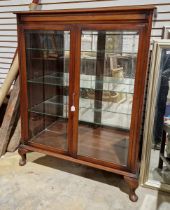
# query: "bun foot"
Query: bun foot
{"points": [[133, 197], [22, 161], [133, 184]]}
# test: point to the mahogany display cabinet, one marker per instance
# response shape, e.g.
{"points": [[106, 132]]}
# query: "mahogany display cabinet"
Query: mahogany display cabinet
{"points": [[82, 76]]}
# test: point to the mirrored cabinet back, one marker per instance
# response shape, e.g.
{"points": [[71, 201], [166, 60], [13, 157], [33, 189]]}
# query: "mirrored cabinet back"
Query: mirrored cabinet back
{"points": [[83, 77]]}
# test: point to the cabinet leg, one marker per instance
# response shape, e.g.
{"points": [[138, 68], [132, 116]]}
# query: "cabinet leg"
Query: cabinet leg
{"points": [[22, 152], [133, 184]]}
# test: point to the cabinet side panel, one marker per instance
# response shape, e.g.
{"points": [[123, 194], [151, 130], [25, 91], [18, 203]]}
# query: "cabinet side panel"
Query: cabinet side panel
{"points": [[140, 84], [23, 84]]}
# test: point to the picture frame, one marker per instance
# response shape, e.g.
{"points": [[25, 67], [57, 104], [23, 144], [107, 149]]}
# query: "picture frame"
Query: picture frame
{"points": [[158, 46]]}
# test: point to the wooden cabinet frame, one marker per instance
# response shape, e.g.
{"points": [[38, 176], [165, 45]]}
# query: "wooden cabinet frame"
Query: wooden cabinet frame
{"points": [[118, 18]]}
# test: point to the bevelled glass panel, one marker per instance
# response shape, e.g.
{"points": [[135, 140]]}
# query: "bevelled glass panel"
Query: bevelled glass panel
{"points": [[108, 66], [48, 54]]}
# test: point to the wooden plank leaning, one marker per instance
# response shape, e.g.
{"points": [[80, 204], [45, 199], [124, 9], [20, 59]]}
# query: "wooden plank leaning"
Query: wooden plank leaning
{"points": [[9, 118], [15, 139], [9, 79]]}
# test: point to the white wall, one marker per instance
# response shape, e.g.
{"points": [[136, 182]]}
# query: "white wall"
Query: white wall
{"points": [[8, 34]]}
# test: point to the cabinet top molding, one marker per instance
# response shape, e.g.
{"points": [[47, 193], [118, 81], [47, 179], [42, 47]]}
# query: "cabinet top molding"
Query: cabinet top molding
{"points": [[94, 15], [85, 10]]}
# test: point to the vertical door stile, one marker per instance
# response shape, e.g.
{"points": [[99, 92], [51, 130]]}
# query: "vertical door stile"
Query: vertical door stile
{"points": [[135, 111], [75, 42], [76, 88], [137, 108], [71, 89], [23, 84]]}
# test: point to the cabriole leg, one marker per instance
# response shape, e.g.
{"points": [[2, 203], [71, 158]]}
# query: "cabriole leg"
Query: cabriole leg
{"points": [[22, 152], [133, 184]]}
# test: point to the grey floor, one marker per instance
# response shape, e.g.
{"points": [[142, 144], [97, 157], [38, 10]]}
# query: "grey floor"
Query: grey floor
{"points": [[47, 183]]}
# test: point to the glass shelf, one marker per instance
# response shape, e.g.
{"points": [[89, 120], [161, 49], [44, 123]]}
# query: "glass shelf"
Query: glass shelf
{"points": [[122, 85], [50, 106], [91, 33], [121, 108], [117, 121], [106, 79], [47, 49], [47, 32], [48, 58], [113, 53], [53, 79], [115, 115], [119, 88]]}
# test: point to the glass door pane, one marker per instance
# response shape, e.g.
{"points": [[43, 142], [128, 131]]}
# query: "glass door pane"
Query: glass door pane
{"points": [[108, 64], [48, 55]]}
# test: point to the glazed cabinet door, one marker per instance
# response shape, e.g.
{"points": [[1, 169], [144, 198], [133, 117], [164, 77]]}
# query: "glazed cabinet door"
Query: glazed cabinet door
{"points": [[47, 80], [107, 77]]}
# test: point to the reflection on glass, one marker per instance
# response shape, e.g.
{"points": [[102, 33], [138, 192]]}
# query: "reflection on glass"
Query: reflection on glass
{"points": [[160, 167], [108, 64], [48, 80]]}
